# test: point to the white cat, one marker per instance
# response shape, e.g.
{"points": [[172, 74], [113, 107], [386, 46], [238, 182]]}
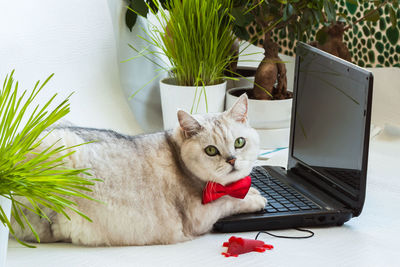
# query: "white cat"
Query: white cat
{"points": [[153, 184]]}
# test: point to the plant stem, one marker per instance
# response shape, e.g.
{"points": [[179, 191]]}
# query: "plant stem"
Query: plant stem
{"points": [[366, 15]]}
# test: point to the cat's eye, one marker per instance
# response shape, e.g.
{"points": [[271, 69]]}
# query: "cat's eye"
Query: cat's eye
{"points": [[211, 151], [240, 142]]}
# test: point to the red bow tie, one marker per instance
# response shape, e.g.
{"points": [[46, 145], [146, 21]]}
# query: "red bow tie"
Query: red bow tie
{"points": [[238, 189]]}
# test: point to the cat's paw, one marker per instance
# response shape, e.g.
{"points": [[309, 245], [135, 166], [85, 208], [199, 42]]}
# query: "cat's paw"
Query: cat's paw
{"points": [[253, 191], [260, 202], [254, 202]]}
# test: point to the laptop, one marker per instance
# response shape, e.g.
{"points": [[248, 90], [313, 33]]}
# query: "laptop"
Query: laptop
{"points": [[324, 183]]}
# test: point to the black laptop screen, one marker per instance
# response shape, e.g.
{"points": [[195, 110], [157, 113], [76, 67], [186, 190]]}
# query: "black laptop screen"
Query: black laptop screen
{"points": [[329, 120]]}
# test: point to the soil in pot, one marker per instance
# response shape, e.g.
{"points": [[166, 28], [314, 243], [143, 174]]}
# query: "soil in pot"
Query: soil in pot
{"points": [[242, 71], [245, 72]]}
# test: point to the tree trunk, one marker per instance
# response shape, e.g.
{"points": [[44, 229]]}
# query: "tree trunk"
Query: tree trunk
{"points": [[333, 43], [270, 80]]}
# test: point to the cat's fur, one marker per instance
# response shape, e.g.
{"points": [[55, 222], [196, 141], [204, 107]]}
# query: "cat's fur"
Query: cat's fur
{"points": [[153, 183]]}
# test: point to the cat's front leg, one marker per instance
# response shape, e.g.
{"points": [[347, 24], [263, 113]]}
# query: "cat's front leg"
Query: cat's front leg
{"points": [[208, 214], [253, 202]]}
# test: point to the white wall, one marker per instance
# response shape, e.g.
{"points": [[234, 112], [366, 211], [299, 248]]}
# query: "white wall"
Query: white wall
{"points": [[75, 40], [134, 74]]}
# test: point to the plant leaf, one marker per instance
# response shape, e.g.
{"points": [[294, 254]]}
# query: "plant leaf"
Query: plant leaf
{"points": [[140, 7], [330, 10], [287, 11], [130, 18], [38, 177], [241, 19], [241, 33]]}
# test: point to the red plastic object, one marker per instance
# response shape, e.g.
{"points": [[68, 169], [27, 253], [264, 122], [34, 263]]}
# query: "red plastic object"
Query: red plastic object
{"points": [[238, 245]]}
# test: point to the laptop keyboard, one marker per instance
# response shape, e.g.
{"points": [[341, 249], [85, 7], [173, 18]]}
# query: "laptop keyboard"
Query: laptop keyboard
{"points": [[281, 198]]}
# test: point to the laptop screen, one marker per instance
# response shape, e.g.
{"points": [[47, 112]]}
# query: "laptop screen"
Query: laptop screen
{"points": [[329, 125]]}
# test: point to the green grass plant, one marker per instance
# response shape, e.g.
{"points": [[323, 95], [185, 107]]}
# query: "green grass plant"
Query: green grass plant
{"points": [[197, 37], [41, 178]]}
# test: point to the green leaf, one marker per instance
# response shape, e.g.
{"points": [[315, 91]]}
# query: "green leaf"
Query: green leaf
{"points": [[199, 35], [241, 19], [130, 18], [140, 7], [287, 12], [371, 15], [39, 177], [393, 17], [330, 10], [285, 16], [317, 17], [241, 33]]}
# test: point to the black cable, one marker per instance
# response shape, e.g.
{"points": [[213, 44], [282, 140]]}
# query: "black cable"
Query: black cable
{"points": [[311, 234]]}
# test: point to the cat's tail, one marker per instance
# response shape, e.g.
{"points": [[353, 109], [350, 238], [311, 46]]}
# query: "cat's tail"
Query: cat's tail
{"points": [[63, 123], [42, 226]]}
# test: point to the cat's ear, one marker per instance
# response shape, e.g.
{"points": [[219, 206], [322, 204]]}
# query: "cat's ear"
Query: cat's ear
{"points": [[189, 125], [238, 111]]}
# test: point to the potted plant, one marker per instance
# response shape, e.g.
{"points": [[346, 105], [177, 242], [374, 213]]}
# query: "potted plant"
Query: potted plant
{"points": [[295, 20], [330, 37], [40, 179], [258, 18], [196, 38]]}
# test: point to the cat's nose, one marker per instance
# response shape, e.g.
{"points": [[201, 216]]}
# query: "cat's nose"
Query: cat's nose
{"points": [[231, 160]]}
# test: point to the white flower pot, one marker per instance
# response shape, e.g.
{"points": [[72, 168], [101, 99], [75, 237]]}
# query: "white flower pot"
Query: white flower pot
{"points": [[271, 118], [5, 203], [189, 98]]}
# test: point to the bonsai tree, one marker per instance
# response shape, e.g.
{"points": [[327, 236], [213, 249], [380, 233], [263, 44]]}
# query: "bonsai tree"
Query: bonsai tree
{"points": [[297, 19], [330, 36], [40, 179], [261, 18]]}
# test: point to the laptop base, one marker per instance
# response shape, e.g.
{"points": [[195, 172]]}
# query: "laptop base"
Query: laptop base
{"points": [[286, 208]]}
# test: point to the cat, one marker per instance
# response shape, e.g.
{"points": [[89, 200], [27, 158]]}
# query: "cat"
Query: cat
{"points": [[152, 184]]}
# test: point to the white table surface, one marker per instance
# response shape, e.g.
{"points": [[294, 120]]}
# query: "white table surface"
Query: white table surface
{"points": [[369, 240]]}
